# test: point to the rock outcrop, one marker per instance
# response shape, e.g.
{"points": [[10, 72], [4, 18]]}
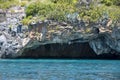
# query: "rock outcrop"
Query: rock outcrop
{"points": [[9, 46], [52, 39], [12, 39], [100, 46], [108, 42], [97, 48]]}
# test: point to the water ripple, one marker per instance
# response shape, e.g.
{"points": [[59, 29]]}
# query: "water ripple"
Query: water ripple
{"points": [[59, 70]]}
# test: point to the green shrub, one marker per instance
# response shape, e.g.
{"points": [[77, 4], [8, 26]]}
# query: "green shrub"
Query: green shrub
{"points": [[56, 11], [107, 2], [27, 20], [93, 14], [116, 2], [111, 2], [4, 4]]}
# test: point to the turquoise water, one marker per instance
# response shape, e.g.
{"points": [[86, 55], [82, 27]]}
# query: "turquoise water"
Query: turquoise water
{"points": [[59, 70]]}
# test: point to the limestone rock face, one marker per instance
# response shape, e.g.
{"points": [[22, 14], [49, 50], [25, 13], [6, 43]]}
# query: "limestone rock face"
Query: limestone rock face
{"points": [[2, 15], [99, 46], [9, 46], [52, 39], [106, 43], [114, 40]]}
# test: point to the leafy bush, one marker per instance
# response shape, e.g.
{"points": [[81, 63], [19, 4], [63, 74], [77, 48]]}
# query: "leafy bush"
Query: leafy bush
{"points": [[4, 4], [111, 2], [116, 2], [65, 1], [23, 3], [27, 20], [93, 14], [56, 11], [107, 2]]}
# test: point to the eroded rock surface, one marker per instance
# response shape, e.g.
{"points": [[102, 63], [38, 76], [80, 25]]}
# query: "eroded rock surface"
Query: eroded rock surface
{"points": [[52, 39]]}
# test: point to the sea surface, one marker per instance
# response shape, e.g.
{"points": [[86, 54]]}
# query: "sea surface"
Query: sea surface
{"points": [[59, 69]]}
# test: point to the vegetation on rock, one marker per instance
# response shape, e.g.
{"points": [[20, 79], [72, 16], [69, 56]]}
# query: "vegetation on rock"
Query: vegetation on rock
{"points": [[111, 2], [59, 9], [4, 4]]}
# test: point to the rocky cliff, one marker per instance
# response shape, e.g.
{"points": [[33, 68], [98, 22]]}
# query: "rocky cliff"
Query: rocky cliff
{"points": [[107, 43], [52, 39], [104, 46]]}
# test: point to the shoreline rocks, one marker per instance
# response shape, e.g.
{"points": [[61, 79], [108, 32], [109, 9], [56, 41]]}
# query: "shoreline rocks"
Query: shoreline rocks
{"points": [[64, 42], [77, 50], [97, 47], [52, 39]]}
